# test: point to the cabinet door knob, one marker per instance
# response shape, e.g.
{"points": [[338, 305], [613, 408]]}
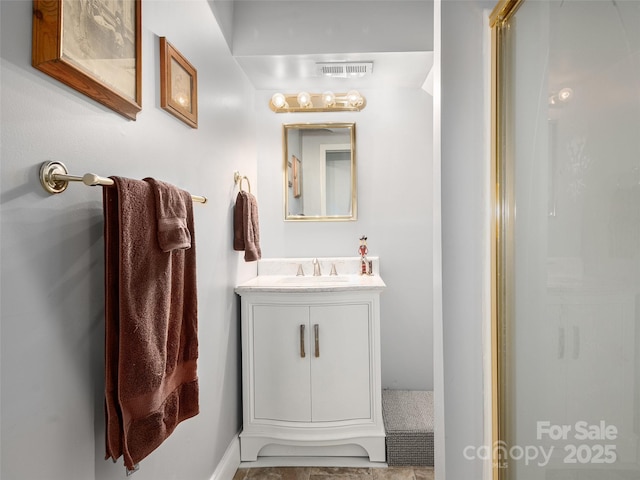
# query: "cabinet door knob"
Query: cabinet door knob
{"points": [[316, 331], [302, 352]]}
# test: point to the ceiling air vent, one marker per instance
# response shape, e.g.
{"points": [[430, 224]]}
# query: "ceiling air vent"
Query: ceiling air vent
{"points": [[344, 69]]}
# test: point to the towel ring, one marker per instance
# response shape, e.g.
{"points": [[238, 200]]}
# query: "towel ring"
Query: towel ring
{"points": [[238, 179]]}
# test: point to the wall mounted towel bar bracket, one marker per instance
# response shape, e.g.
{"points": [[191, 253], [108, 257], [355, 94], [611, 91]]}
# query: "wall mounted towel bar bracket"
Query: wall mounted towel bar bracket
{"points": [[238, 179], [55, 178]]}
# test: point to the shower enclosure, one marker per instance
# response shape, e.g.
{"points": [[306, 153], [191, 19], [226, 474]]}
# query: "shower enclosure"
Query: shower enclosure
{"points": [[567, 257]]}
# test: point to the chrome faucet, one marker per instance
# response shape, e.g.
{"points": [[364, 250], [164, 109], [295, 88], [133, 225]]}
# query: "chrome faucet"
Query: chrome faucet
{"points": [[316, 268]]}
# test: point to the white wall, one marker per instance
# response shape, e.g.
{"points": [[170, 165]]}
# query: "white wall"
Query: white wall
{"points": [[52, 247], [394, 152], [462, 149]]}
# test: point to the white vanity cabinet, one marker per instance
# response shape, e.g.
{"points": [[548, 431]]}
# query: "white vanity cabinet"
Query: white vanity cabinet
{"points": [[311, 373]]}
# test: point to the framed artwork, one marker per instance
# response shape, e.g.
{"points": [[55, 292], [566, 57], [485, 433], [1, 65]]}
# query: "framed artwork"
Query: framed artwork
{"points": [[178, 84], [94, 47], [297, 171]]}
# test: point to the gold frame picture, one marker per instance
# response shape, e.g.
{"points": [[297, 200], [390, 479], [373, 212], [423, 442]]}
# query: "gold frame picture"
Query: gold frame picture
{"points": [[178, 84], [93, 47]]}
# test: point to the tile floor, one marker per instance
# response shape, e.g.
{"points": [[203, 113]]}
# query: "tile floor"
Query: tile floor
{"points": [[337, 473], [593, 474]]}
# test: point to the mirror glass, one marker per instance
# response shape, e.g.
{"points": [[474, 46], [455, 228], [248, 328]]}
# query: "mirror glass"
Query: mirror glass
{"points": [[320, 171]]}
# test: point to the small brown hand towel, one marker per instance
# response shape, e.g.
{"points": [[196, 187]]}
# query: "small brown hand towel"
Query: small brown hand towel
{"points": [[246, 227], [171, 213]]}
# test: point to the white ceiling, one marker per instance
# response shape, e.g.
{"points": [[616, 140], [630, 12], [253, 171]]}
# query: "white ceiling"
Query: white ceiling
{"points": [[297, 72], [278, 42]]}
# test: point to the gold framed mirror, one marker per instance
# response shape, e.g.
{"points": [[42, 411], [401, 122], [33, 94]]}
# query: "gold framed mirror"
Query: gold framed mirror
{"points": [[319, 171]]}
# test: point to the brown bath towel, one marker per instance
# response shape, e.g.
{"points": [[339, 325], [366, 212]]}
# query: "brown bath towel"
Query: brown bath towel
{"points": [[171, 213], [151, 342], [246, 228]]}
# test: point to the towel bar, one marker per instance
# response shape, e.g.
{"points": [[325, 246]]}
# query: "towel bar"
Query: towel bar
{"points": [[55, 178]]}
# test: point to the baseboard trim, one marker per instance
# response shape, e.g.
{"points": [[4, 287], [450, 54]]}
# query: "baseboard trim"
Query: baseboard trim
{"points": [[341, 462], [226, 468]]}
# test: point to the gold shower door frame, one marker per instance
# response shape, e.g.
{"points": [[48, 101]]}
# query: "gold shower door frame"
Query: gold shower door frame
{"points": [[504, 357], [501, 229]]}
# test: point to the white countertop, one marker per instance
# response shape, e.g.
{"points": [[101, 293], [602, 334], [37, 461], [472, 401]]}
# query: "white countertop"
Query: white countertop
{"points": [[288, 284], [279, 275]]}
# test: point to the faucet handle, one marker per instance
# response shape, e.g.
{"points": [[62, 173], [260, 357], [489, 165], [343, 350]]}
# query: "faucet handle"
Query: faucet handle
{"points": [[316, 268], [333, 269], [300, 272]]}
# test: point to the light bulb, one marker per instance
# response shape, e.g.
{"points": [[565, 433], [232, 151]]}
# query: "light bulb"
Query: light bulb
{"points": [[328, 99], [565, 94], [278, 100], [354, 98], [304, 99]]}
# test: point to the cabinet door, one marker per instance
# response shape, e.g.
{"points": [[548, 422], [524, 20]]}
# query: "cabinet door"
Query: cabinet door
{"points": [[341, 373], [281, 383]]}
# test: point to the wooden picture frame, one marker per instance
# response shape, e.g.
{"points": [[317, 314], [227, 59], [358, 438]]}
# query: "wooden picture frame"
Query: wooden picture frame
{"points": [[297, 170], [178, 84], [94, 47]]}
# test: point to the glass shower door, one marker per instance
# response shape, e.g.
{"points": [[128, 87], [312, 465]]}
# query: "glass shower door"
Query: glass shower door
{"points": [[570, 241]]}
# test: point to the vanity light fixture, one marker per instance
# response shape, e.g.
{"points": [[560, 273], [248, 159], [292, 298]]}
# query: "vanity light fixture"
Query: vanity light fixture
{"points": [[354, 98], [352, 101], [279, 101], [304, 100], [328, 99]]}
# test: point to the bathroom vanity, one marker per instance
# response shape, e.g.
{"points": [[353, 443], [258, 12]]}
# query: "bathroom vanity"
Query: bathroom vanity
{"points": [[311, 361]]}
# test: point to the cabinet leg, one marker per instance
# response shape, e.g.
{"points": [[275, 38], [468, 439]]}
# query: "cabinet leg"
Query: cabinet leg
{"points": [[376, 449], [249, 449]]}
